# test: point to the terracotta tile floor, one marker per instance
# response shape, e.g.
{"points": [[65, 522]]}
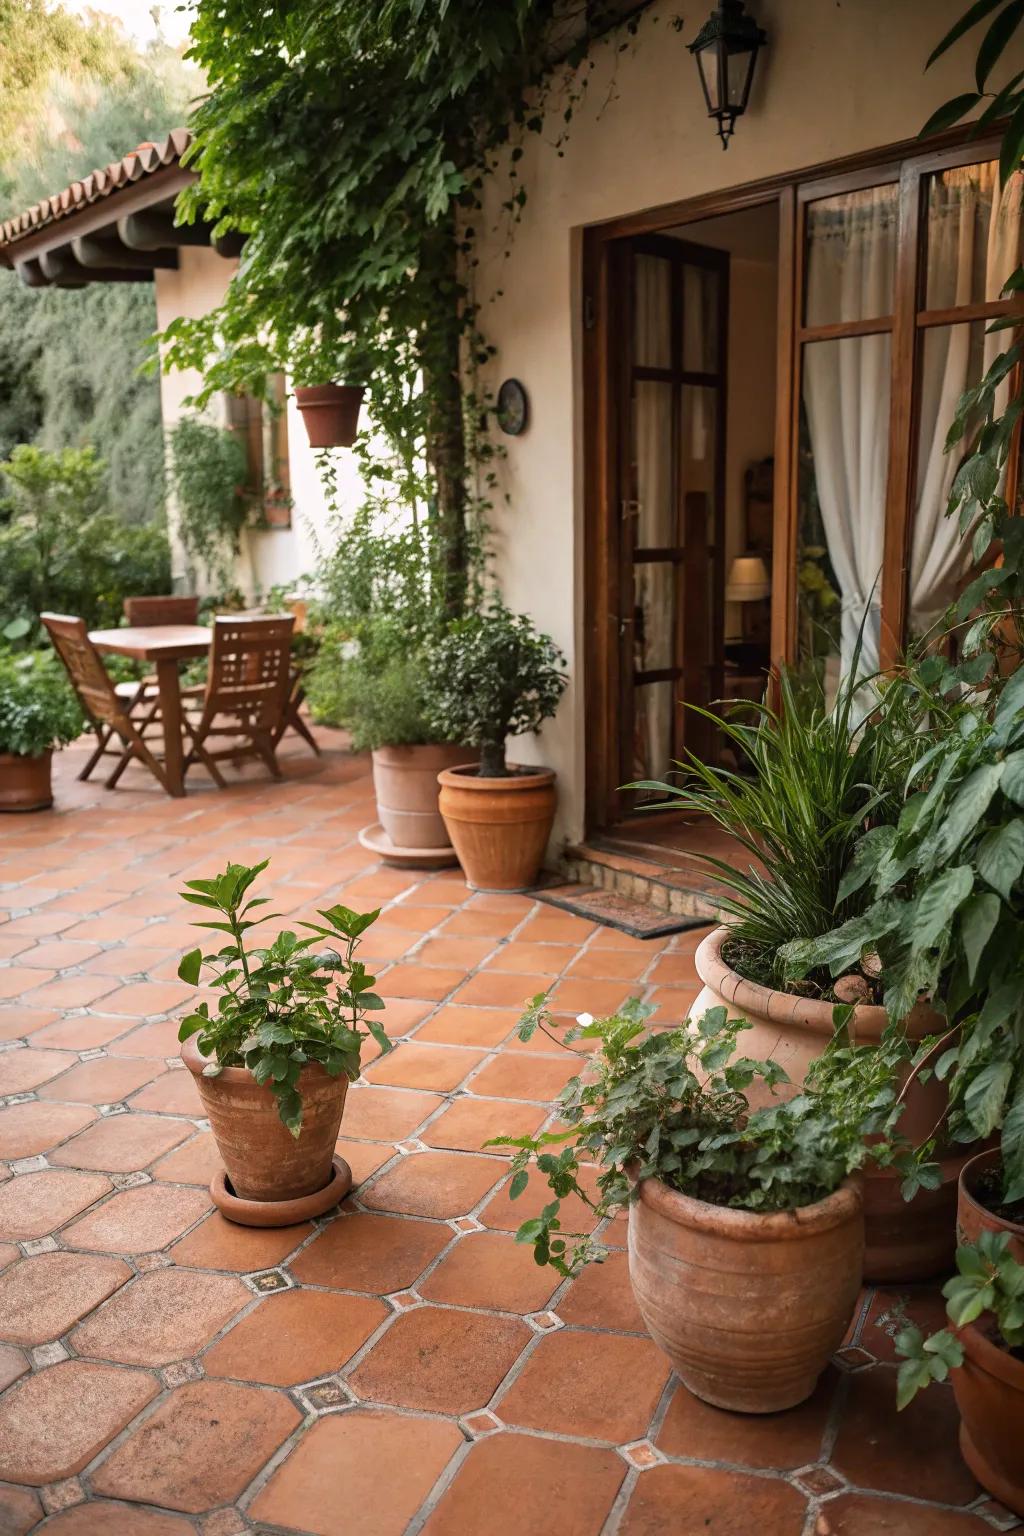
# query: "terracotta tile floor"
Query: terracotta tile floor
{"points": [[401, 1366]]}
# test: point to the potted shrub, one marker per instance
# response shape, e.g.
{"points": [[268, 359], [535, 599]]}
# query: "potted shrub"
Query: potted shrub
{"points": [[38, 712], [330, 413], [990, 1202], [274, 1058], [490, 677], [746, 1231], [984, 1359]]}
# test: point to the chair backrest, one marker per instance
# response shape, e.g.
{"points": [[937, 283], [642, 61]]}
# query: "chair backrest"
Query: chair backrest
{"points": [[249, 669], [161, 610], [84, 666]]}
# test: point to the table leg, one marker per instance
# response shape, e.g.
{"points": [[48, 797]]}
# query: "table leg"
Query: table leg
{"points": [[169, 685]]}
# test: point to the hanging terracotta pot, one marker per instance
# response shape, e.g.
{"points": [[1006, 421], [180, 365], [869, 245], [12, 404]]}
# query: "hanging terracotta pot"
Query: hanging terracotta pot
{"points": [[330, 413], [499, 827], [26, 782]]}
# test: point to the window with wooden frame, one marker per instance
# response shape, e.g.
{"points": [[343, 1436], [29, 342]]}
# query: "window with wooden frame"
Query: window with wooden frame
{"points": [[262, 427]]}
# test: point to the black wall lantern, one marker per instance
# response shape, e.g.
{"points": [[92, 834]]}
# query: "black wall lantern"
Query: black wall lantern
{"points": [[726, 49]]}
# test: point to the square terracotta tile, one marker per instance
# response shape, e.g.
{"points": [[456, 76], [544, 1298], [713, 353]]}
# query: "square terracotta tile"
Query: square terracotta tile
{"points": [[469, 1123], [490, 1270], [69, 991], [41, 1298], [412, 1065], [294, 1336], [138, 1220], [457, 1025], [440, 1360], [438, 1184], [144, 999], [515, 1075], [386, 1114], [165, 1315], [378, 1254], [572, 1377], [37, 1126], [37, 1203], [434, 983], [193, 1162], [54, 1422], [221, 1244], [503, 989], [174, 1093], [122, 1143], [552, 1485], [22, 1070], [533, 959], [104, 1081]]}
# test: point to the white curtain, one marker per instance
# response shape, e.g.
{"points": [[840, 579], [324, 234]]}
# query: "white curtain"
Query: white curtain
{"points": [[973, 246]]}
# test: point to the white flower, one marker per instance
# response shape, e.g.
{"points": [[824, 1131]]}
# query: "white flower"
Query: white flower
{"points": [[348, 650], [584, 1020]]}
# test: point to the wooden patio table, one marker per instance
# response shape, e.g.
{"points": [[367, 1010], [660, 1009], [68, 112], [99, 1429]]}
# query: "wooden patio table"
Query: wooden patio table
{"points": [[164, 645]]}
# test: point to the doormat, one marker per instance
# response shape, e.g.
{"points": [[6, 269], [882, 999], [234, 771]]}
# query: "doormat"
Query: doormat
{"points": [[636, 918]]}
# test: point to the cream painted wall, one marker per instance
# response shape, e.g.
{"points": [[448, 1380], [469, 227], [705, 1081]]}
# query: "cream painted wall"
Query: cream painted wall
{"points": [[835, 79]]}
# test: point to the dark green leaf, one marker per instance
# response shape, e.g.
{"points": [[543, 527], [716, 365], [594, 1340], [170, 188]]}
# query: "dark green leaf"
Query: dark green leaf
{"points": [[190, 967], [975, 13]]}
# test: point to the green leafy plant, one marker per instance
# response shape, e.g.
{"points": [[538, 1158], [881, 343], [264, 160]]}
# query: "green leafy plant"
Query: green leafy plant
{"points": [[284, 1005], [672, 1105], [208, 470], [37, 707], [490, 677], [988, 1280]]}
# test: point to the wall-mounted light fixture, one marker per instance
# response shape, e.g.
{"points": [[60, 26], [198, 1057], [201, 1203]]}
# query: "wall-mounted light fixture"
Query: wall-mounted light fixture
{"points": [[726, 49]]}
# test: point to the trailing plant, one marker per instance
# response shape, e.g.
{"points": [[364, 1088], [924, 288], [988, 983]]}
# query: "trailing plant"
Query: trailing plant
{"points": [[38, 710], [208, 470], [989, 1281], [490, 677], [672, 1105], [285, 1005]]}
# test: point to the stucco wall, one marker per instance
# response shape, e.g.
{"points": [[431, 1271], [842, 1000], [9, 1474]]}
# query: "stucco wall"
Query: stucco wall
{"points": [[835, 79]]}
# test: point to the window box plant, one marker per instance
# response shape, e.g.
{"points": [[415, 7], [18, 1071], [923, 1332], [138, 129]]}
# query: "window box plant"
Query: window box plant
{"points": [[38, 712], [746, 1230], [490, 677], [273, 1060], [330, 413]]}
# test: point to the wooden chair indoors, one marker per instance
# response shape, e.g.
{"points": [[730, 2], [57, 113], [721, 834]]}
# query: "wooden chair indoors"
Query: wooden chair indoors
{"points": [[108, 713], [246, 693]]}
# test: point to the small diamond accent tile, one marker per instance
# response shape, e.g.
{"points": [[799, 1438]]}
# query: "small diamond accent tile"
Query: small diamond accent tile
{"points": [[641, 1454], [402, 1301], [63, 1495], [545, 1322], [466, 1224], [36, 1245], [93, 1055], [153, 1261], [853, 1358], [201, 1125], [817, 1481], [181, 1371], [479, 1425], [48, 1354], [223, 1522], [129, 1180], [407, 1148], [28, 1164], [997, 1515], [324, 1396], [113, 1109], [267, 1280]]}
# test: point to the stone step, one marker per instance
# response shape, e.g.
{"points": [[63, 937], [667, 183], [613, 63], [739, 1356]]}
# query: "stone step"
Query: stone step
{"points": [[681, 891]]}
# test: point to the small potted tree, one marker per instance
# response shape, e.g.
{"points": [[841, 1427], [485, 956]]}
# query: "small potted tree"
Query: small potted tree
{"points": [[38, 712], [274, 1058], [490, 677]]}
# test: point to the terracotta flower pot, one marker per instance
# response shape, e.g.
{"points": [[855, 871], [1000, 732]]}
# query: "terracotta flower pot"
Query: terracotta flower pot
{"points": [[25, 782], [973, 1217], [405, 782], [262, 1158], [747, 1307], [905, 1241], [499, 827], [330, 413], [989, 1391]]}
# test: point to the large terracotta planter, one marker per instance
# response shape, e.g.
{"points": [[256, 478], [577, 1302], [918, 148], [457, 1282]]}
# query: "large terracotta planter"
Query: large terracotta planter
{"points": [[330, 413], [973, 1217], [747, 1307], [25, 782], [499, 827], [906, 1241], [989, 1391], [263, 1160], [405, 782]]}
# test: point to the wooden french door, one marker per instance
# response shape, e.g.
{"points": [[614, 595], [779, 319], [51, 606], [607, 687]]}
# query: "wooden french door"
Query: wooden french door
{"points": [[672, 298]]}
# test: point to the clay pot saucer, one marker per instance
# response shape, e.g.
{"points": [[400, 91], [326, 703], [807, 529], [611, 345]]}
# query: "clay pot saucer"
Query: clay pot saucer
{"points": [[281, 1213], [375, 840]]}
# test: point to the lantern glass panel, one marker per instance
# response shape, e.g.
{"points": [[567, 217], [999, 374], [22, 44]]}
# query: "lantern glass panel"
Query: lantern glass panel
{"points": [[709, 76], [739, 68]]}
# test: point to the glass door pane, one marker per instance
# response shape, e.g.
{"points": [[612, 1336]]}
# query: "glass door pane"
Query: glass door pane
{"points": [[974, 235], [851, 256]]}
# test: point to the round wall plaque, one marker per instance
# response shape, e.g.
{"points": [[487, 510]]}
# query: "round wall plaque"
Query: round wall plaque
{"points": [[513, 409]]}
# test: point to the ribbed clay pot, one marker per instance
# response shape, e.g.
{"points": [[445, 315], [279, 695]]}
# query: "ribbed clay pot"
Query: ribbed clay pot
{"points": [[989, 1392], [262, 1158], [25, 782], [405, 783], [499, 827], [905, 1241], [973, 1217], [330, 413], [747, 1307]]}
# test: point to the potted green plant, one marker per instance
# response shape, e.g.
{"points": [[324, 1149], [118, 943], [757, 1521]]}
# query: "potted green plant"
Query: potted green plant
{"points": [[746, 1230], [38, 712], [984, 1359], [330, 413], [273, 1060], [490, 677]]}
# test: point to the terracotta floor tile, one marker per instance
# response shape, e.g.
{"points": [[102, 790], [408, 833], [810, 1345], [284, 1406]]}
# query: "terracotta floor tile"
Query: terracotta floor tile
{"points": [[858, 1514], [549, 926], [137, 1220], [386, 1114], [101, 1517], [164, 1315], [573, 1378], [468, 1124], [173, 1093], [40, 925], [337, 1465], [104, 1081], [474, 922], [11, 947], [492, 1270], [122, 1143], [611, 964], [379, 1254], [36, 1203], [54, 1422], [515, 1076], [870, 1446], [411, 918], [532, 959], [13, 1365], [28, 1129], [200, 1448], [892, 1309], [674, 971], [295, 1336], [157, 1040], [363, 1157], [106, 929], [602, 1297], [8, 1253], [673, 1004], [401, 1014], [551, 1486], [601, 998], [126, 960], [69, 991], [508, 1215], [503, 989], [698, 1498], [441, 1360], [194, 1162], [22, 1070], [778, 1440], [458, 951], [440, 1184], [58, 954], [412, 1065], [16, 980], [422, 981], [42, 1297], [222, 1244], [17, 1021], [454, 1025], [80, 1032], [143, 999]]}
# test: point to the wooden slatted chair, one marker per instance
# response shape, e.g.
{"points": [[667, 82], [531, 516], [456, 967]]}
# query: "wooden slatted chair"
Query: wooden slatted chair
{"points": [[106, 711], [160, 609], [292, 720], [246, 692]]}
